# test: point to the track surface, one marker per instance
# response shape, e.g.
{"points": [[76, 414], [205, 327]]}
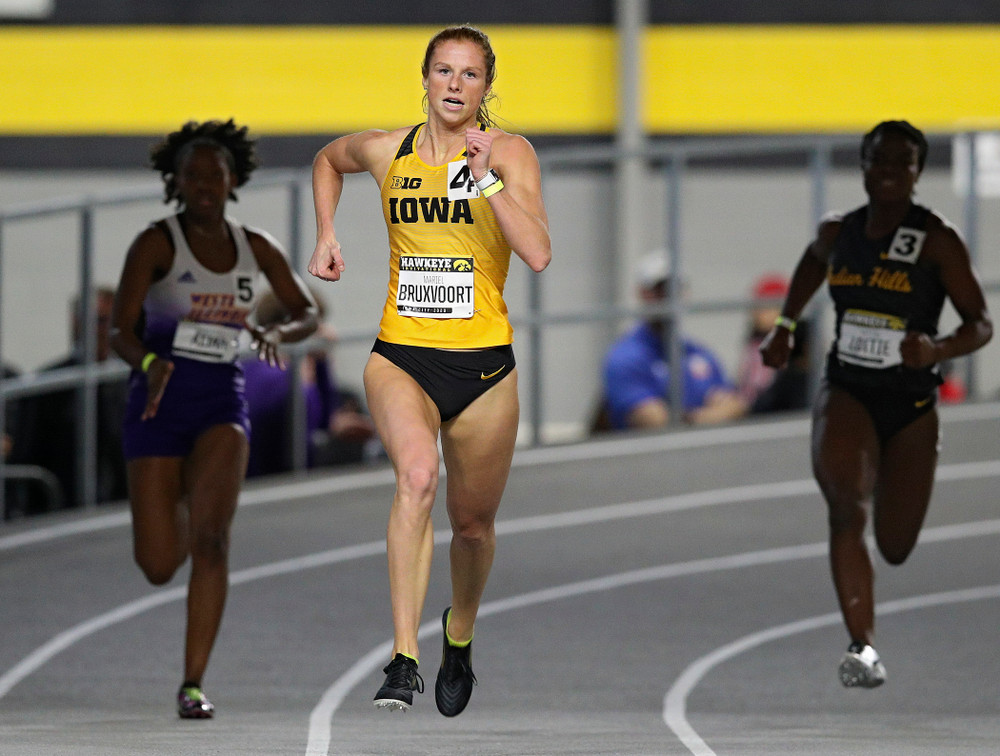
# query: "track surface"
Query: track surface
{"points": [[652, 594]]}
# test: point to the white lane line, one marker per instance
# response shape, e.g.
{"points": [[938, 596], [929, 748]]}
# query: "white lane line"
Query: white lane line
{"points": [[266, 495], [599, 449], [64, 640], [131, 609], [321, 718], [360, 551], [703, 437], [67, 638], [358, 481], [33, 661], [675, 701], [61, 530]]}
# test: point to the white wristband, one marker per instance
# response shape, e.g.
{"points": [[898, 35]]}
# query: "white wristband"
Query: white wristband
{"points": [[488, 180]]}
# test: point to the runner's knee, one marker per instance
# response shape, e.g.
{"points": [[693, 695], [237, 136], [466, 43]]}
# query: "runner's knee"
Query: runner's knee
{"points": [[895, 551], [210, 543], [472, 530], [846, 515], [417, 483], [157, 568]]}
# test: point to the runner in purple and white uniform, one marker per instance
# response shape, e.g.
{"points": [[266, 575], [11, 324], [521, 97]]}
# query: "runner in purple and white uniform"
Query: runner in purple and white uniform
{"points": [[188, 284]]}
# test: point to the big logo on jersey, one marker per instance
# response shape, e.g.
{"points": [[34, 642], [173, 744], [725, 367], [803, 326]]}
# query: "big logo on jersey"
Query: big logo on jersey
{"points": [[406, 182]]}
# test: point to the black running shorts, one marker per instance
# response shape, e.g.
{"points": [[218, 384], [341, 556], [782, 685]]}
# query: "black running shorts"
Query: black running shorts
{"points": [[453, 380]]}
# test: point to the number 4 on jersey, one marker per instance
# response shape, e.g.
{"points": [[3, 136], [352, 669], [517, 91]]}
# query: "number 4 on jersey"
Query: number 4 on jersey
{"points": [[461, 185]]}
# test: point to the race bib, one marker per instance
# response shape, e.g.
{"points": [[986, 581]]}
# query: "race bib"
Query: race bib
{"points": [[906, 245], [436, 287], [461, 185], [871, 339], [206, 342]]}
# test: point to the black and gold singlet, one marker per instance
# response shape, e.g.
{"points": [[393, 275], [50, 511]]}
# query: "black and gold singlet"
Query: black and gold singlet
{"points": [[448, 259], [881, 289]]}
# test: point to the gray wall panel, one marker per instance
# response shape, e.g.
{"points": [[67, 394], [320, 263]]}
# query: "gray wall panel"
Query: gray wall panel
{"points": [[736, 224]]}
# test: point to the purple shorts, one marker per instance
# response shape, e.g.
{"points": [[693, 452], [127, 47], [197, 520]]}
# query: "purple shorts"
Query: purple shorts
{"points": [[198, 396]]}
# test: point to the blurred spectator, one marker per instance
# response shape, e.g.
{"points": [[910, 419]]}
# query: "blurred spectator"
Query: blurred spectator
{"points": [[47, 422], [337, 427], [754, 376], [14, 490], [637, 372], [952, 389], [765, 389], [10, 415], [790, 388]]}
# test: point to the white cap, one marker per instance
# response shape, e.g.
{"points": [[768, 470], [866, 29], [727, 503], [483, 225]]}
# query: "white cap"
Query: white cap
{"points": [[653, 268]]}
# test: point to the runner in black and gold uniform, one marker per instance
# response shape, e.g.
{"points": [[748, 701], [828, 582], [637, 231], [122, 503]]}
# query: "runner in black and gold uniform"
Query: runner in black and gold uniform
{"points": [[889, 265], [459, 195]]}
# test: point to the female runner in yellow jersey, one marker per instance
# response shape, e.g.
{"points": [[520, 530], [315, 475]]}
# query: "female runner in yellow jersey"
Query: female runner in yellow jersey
{"points": [[458, 196]]}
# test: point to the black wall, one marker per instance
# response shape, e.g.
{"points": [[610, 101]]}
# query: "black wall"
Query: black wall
{"points": [[445, 12]]}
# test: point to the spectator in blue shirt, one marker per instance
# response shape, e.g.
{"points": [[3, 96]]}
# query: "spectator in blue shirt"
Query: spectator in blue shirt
{"points": [[637, 371]]}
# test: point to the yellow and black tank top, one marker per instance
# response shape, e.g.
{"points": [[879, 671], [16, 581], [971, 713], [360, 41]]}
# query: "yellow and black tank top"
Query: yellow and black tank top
{"points": [[448, 258], [881, 288]]}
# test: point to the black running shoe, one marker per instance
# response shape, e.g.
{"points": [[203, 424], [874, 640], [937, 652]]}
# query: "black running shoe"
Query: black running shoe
{"points": [[401, 679], [455, 678]]}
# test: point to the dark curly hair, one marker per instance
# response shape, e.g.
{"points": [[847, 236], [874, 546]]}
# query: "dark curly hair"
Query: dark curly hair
{"points": [[904, 129], [231, 140]]}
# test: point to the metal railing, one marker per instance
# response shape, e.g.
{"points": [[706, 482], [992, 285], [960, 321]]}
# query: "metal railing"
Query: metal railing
{"points": [[672, 159], [86, 377]]}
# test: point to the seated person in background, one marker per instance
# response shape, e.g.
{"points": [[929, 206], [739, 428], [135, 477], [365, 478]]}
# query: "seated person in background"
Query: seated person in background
{"points": [[790, 388], [337, 428], [47, 422], [952, 389], [765, 389], [10, 414], [14, 490], [637, 373]]}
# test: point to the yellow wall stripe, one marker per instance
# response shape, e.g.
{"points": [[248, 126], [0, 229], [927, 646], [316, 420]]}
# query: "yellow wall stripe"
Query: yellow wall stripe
{"points": [[844, 78], [552, 80]]}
